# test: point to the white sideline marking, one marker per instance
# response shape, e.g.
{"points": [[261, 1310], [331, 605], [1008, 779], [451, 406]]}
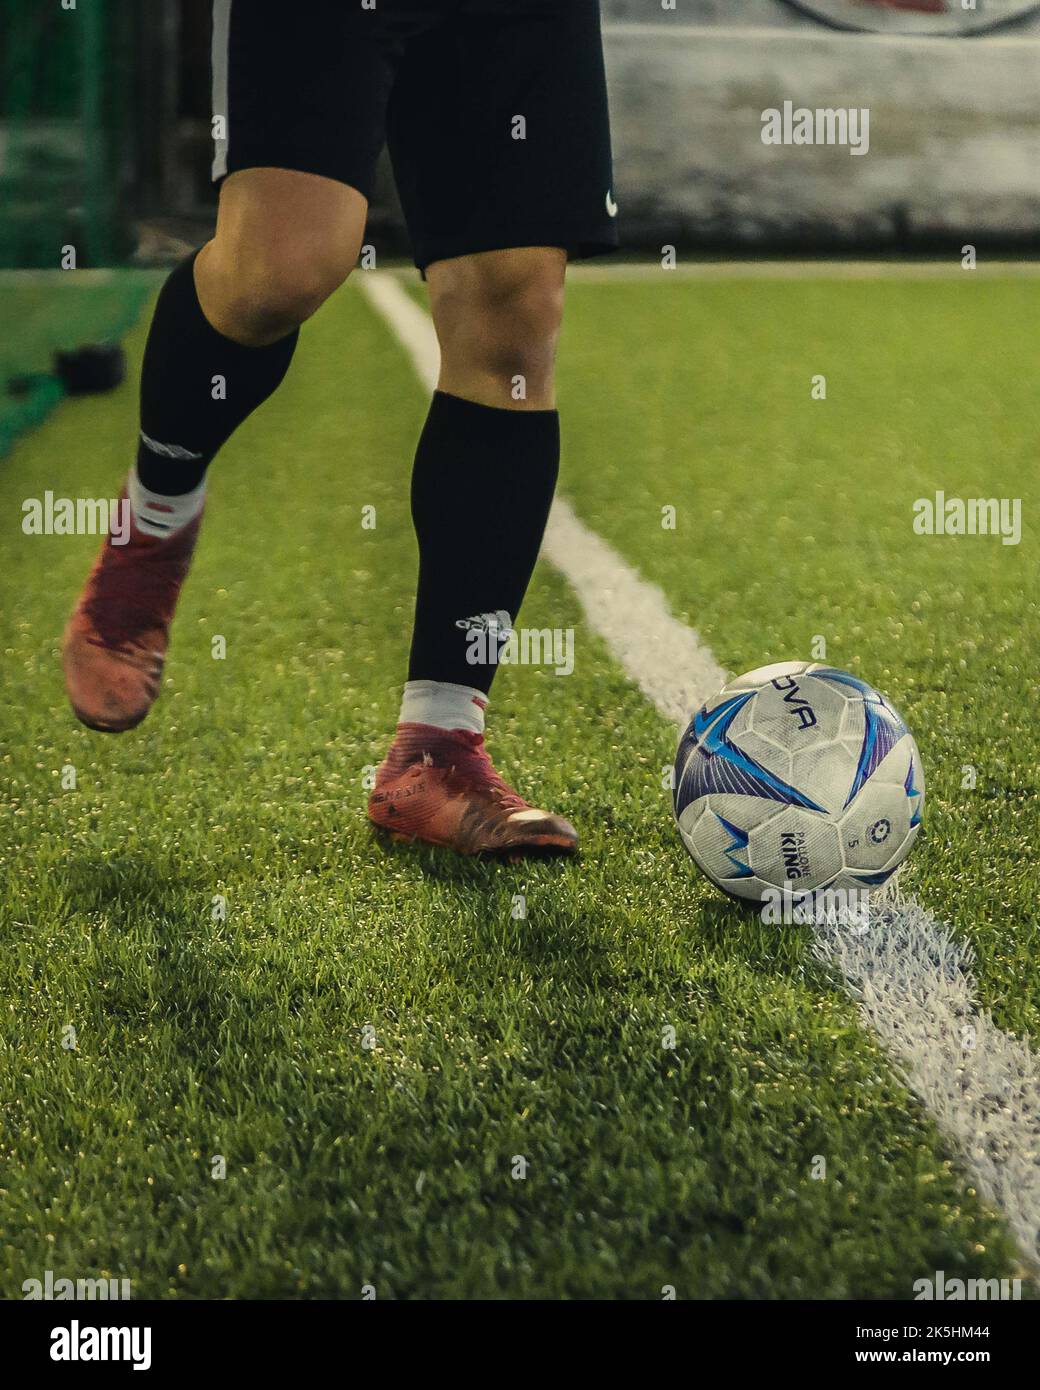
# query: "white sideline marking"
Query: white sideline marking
{"points": [[650, 269], [912, 979], [910, 976], [800, 33], [410, 323], [665, 658]]}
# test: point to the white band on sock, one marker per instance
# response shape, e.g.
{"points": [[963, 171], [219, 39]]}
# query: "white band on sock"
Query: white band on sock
{"points": [[444, 705], [159, 515]]}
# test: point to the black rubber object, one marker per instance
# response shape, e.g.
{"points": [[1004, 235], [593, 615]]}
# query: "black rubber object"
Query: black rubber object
{"points": [[91, 368]]}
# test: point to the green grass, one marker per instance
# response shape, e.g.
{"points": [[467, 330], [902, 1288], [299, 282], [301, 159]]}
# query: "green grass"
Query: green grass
{"points": [[495, 1037], [794, 520], [38, 320]]}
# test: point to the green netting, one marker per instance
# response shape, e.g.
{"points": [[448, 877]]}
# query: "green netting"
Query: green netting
{"points": [[66, 88], [67, 83]]}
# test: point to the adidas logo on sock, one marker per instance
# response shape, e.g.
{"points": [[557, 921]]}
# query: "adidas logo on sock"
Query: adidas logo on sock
{"points": [[167, 451], [494, 624]]}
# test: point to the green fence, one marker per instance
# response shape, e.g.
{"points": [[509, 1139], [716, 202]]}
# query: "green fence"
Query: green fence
{"points": [[66, 130], [68, 95]]}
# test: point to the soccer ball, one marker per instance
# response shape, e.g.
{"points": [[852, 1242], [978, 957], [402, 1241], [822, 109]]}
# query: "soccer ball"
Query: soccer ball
{"points": [[798, 777]]}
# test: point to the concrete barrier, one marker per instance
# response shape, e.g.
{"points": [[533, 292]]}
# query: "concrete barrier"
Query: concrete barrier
{"points": [[954, 126]]}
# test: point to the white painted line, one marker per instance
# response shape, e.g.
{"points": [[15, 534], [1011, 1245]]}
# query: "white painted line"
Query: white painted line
{"points": [[93, 276], [666, 659], [602, 272], [220, 59], [910, 976], [912, 979], [411, 324], [801, 34]]}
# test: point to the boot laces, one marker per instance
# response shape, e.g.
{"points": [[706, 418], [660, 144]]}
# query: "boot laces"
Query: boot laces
{"points": [[478, 764]]}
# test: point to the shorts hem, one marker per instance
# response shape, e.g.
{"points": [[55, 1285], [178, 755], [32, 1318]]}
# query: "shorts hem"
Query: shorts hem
{"points": [[578, 248], [298, 166]]}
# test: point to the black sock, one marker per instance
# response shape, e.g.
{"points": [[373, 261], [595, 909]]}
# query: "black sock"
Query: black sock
{"points": [[481, 490], [185, 414]]}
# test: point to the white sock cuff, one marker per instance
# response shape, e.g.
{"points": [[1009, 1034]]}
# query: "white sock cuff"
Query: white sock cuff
{"points": [[444, 705], [159, 515]]}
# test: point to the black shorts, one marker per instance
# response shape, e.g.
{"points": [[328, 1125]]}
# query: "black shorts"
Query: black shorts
{"points": [[495, 112]]}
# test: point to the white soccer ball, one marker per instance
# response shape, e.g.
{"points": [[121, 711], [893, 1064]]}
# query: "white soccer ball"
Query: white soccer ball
{"points": [[798, 777]]}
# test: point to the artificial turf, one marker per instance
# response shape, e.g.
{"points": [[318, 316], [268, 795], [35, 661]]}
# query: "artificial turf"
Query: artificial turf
{"points": [[414, 1086], [794, 521]]}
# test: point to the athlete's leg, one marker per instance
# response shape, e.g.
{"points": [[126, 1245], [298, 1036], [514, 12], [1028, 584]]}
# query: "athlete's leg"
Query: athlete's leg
{"points": [[483, 481], [220, 343], [225, 325], [489, 206], [487, 461], [299, 109]]}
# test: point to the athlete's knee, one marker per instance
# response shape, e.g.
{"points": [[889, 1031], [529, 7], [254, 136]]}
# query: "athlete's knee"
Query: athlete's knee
{"points": [[277, 291], [521, 326], [504, 319], [285, 241], [256, 292]]}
